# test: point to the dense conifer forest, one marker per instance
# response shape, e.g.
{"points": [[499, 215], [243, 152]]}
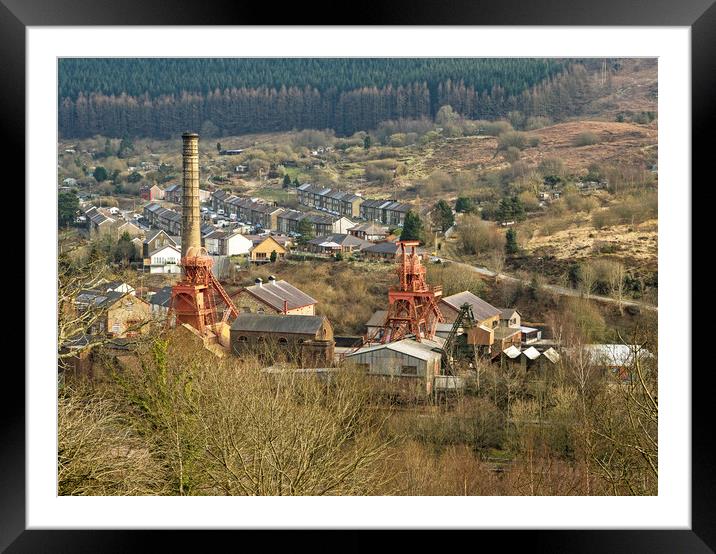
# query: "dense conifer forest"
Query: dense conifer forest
{"points": [[160, 97]]}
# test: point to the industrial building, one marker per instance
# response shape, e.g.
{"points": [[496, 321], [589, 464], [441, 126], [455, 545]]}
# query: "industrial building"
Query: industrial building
{"points": [[303, 339], [274, 297], [419, 362]]}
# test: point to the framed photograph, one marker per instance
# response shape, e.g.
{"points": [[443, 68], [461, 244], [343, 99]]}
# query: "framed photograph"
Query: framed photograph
{"points": [[408, 273]]}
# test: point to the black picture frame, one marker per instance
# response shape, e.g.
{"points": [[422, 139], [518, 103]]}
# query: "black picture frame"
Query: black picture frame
{"points": [[699, 15]]}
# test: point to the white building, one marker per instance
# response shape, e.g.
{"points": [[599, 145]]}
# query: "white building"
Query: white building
{"points": [[236, 244], [164, 259], [342, 224]]}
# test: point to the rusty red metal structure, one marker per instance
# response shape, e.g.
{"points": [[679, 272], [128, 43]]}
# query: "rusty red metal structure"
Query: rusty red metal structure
{"points": [[194, 298], [413, 304]]}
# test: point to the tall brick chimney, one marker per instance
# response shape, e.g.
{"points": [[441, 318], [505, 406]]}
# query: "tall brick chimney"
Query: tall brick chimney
{"points": [[190, 215]]}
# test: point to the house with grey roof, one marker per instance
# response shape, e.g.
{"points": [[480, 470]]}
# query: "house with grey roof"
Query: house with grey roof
{"points": [[331, 244], [370, 231]]}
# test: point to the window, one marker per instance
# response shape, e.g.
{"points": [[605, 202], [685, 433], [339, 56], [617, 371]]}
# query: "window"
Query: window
{"points": [[409, 370], [282, 340], [242, 339]]}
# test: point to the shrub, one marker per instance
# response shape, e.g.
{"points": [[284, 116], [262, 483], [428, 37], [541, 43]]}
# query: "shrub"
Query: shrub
{"points": [[585, 139]]}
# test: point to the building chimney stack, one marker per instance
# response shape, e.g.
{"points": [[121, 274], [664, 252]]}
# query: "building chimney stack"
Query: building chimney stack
{"points": [[259, 281], [190, 218], [272, 279]]}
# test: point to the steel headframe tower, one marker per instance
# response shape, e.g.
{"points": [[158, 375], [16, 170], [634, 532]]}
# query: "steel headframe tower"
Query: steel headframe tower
{"points": [[194, 297], [413, 304]]}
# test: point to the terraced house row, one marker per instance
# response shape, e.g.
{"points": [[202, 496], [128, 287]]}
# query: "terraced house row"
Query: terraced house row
{"points": [[163, 218], [329, 200], [268, 216], [387, 212], [247, 210]]}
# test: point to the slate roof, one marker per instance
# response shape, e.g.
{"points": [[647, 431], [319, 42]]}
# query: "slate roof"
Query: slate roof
{"points": [[274, 293], [291, 324], [340, 239], [507, 313], [153, 234], [480, 309], [371, 228], [162, 297], [382, 248], [97, 298]]}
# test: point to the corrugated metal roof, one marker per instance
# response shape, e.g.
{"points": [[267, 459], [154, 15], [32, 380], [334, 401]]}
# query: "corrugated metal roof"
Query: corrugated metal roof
{"points": [[275, 293], [421, 350], [480, 309], [377, 319], [291, 324], [511, 352], [532, 353], [551, 354], [615, 354]]}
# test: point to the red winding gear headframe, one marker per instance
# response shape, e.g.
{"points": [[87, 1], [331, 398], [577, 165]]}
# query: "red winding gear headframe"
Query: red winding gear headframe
{"points": [[413, 304], [194, 298]]}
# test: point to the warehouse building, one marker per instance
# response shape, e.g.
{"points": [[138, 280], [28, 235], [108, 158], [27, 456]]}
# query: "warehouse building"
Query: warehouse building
{"points": [[303, 339]]}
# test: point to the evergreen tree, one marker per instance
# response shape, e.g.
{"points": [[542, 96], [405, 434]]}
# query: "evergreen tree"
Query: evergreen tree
{"points": [[67, 207], [305, 230], [273, 256], [511, 247], [464, 205], [367, 142], [124, 251], [413, 228], [442, 216], [100, 174]]}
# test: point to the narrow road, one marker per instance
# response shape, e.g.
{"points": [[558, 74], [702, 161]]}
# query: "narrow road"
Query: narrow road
{"points": [[564, 291]]}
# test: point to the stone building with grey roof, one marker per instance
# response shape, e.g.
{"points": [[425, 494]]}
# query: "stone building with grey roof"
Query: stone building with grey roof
{"points": [[306, 340]]}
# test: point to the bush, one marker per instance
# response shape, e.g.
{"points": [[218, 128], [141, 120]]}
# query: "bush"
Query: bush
{"points": [[585, 139], [512, 139], [478, 237], [374, 173], [495, 128]]}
